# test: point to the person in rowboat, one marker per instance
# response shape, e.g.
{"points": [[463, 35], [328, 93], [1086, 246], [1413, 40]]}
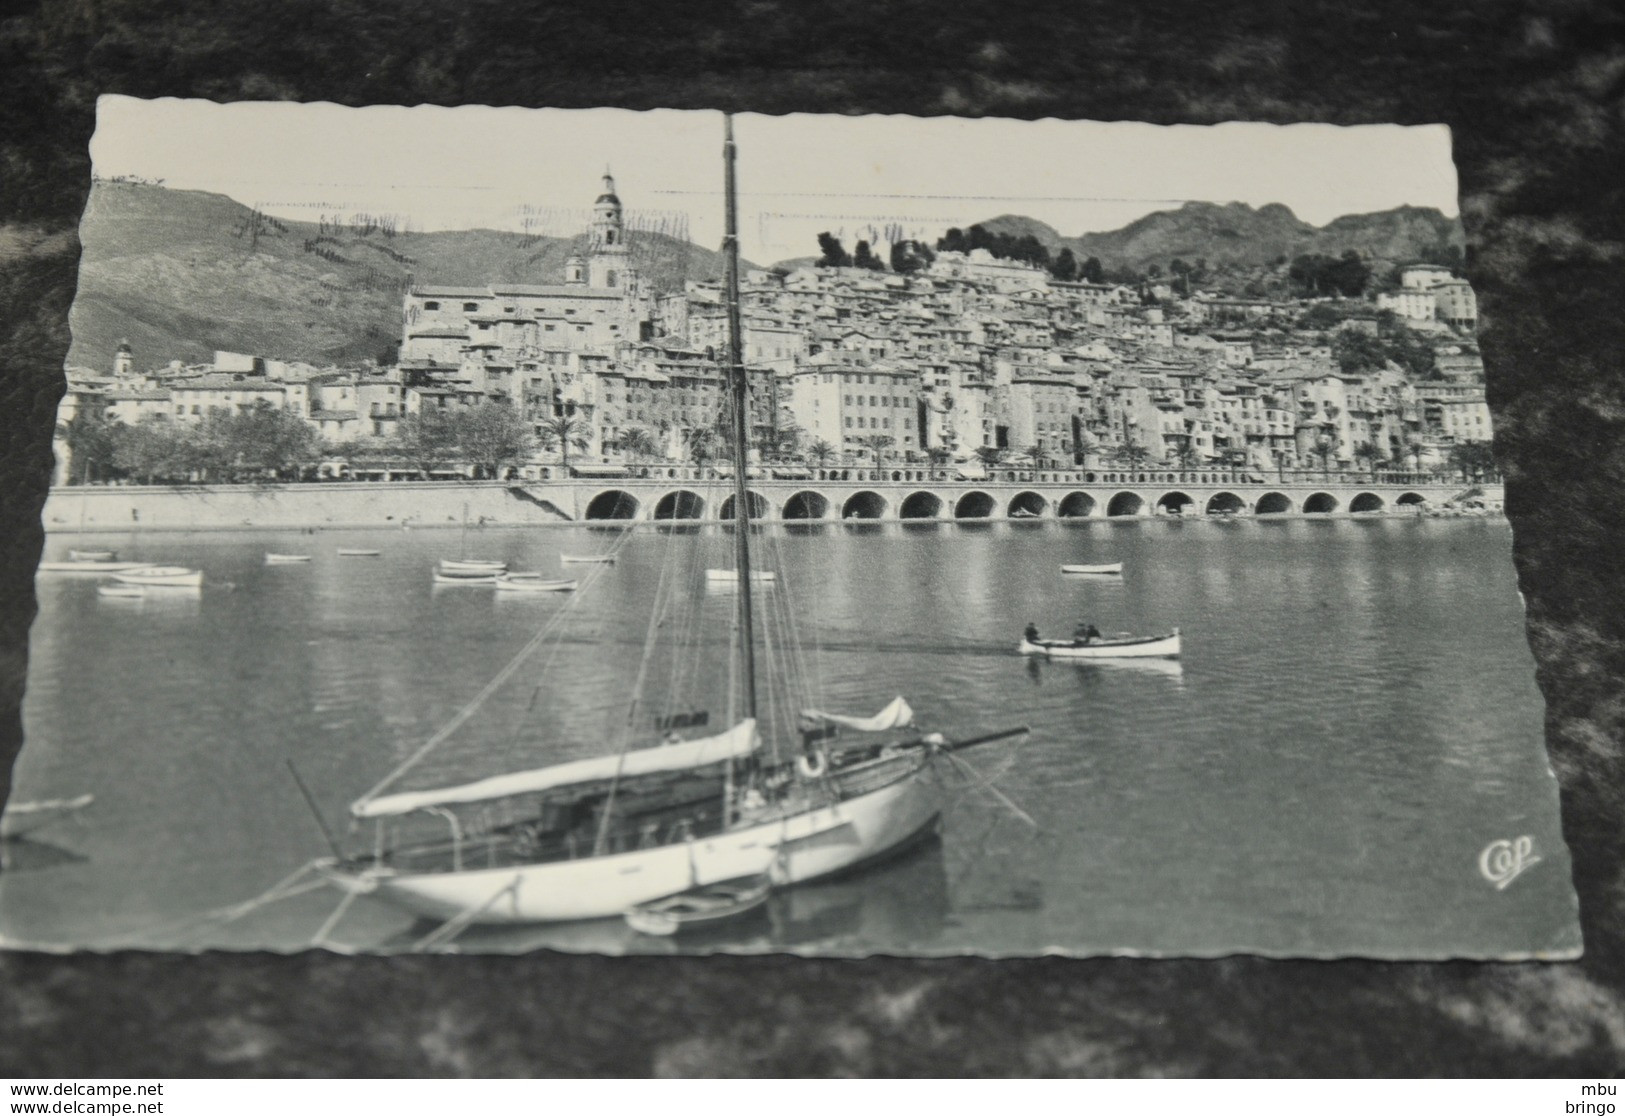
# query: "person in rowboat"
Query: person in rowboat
{"points": [[1031, 633], [1085, 633]]}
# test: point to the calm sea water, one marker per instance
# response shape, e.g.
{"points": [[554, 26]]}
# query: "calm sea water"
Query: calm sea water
{"points": [[1353, 724]]}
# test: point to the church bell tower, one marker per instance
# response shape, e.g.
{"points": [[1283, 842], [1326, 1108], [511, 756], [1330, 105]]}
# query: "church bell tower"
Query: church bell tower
{"points": [[608, 263]]}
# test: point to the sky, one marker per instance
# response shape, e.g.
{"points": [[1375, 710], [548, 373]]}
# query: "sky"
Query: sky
{"points": [[538, 170]]}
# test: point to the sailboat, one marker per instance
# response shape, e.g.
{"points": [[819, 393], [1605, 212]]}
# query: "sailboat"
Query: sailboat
{"points": [[783, 799]]}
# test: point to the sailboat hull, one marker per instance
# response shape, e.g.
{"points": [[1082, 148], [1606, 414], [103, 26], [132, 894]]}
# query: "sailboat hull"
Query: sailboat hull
{"points": [[793, 849]]}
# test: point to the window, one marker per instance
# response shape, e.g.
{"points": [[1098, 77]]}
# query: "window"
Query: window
{"points": [[848, 420], [470, 307], [849, 400], [431, 306]]}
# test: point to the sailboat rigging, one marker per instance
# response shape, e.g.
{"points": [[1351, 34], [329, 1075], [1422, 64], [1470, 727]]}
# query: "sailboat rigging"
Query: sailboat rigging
{"points": [[720, 815]]}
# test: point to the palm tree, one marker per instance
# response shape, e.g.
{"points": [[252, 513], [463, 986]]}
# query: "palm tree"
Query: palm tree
{"points": [[1370, 454], [639, 441], [940, 456], [879, 443], [990, 455], [1132, 456], [1034, 454], [563, 432], [821, 451], [1188, 456]]}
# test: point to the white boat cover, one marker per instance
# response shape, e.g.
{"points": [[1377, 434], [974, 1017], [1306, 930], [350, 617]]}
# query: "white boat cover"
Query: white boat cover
{"points": [[741, 740], [896, 715]]}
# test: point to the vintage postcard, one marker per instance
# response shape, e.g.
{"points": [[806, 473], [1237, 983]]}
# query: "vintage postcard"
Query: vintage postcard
{"points": [[498, 529]]}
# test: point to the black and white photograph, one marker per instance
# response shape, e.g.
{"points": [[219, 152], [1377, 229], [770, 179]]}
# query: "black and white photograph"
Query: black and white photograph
{"points": [[485, 530]]}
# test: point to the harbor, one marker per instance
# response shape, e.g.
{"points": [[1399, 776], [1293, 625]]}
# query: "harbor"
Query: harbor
{"points": [[1353, 716]]}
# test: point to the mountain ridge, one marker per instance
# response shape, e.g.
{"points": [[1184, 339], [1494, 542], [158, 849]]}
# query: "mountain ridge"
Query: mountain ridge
{"points": [[1237, 234], [182, 273]]}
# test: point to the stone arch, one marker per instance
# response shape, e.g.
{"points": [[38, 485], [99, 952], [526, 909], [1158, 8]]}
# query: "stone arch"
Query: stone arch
{"points": [[1320, 503], [612, 504], [1366, 502], [1076, 505], [1027, 505], [974, 505], [759, 507], [806, 505], [864, 505], [1411, 500], [1273, 503], [1174, 503], [920, 505], [1225, 503], [1125, 504], [681, 504]]}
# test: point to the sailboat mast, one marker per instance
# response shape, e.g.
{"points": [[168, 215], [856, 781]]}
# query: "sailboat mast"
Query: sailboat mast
{"points": [[739, 395]]}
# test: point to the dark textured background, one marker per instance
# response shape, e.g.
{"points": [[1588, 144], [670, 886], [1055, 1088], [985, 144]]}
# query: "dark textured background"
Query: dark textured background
{"points": [[1534, 93]]}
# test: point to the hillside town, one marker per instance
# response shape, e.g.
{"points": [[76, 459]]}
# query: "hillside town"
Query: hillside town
{"points": [[951, 356]]}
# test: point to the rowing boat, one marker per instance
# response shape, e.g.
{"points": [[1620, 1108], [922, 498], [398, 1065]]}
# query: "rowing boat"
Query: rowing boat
{"points": [[700, 906], [533, 583], [1131, 647], [356, 552], [1100, 568], [164, 577], [472, 565], [92, 555], [121, 592], [733, 575], [582, 559], [89, 567], [465, 577], [285, 559]]}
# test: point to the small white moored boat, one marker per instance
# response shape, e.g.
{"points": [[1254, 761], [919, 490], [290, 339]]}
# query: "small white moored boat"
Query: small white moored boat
{"points": [[534, 583], [465, 577], [1111, 647], [733, 575], [285, 559], [176, 577], [454, 565], [121, 591], [700, 906], [88, 567], [92, 555], [1099, 568], [356, 552], [582, 559]]}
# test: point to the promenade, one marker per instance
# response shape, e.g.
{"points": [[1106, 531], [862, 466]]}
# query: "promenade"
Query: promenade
{"points": [[682, 493]]}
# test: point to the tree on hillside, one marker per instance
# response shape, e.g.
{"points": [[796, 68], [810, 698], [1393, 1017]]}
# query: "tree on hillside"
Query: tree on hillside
{"points": [[908, 256], [953, 241], [832, 254], [427, 440], [1357, 352], [1092, 271], [493, 435], [865, 258], [1066, 266]]}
